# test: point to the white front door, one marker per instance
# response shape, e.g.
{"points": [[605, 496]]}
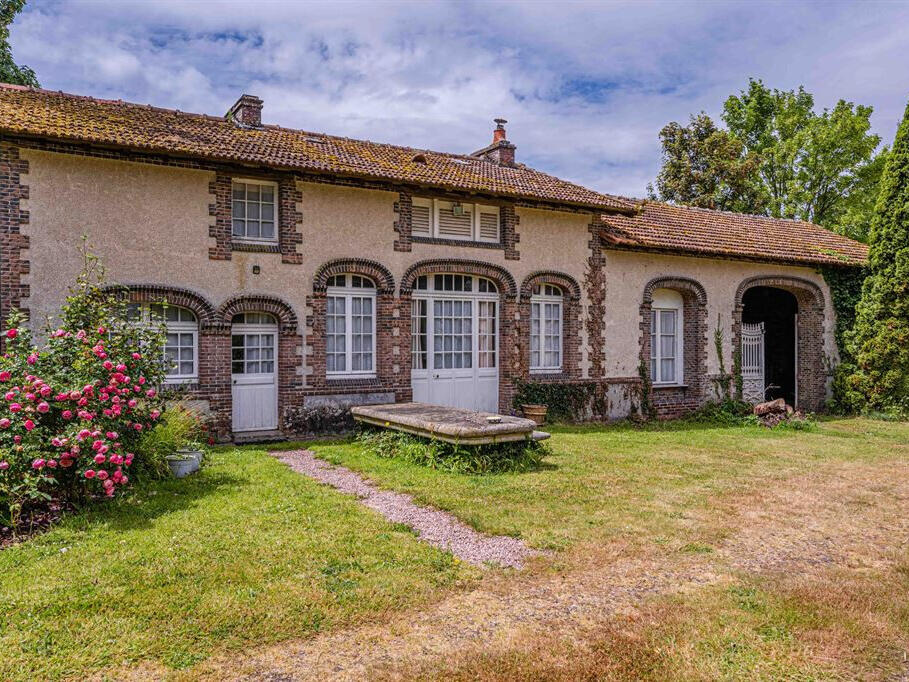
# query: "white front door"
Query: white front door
{"points": [[455, 343], [254, 376]]}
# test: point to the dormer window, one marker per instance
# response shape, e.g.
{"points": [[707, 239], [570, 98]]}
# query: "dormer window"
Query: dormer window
{"points": [[456, 220], [253, 211]]}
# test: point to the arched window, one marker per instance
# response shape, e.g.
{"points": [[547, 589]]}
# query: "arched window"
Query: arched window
{"points": [[546, 328], [350, 326], [181, 344], [666, 320]]}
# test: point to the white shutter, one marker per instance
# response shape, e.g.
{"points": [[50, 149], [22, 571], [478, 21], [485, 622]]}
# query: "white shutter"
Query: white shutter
{"points": [[453, 226], [421, 217], [489, 223]]}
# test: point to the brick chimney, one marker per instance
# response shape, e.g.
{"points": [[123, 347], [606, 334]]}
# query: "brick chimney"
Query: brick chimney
{"points": [[246, 112], [501, 151]]}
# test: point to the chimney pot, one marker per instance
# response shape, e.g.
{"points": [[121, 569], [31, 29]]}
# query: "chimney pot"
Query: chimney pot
{"points": [[499, 133], [501, 151], [246, 112]]}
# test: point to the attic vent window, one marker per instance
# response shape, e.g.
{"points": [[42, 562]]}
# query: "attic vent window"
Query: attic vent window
{"points": [[462, 162], [419, 158], [315, 140]]}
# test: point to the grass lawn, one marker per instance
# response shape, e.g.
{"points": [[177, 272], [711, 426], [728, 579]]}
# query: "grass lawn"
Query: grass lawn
{"points": [[602, 483], [245, 552], [248, 553]]}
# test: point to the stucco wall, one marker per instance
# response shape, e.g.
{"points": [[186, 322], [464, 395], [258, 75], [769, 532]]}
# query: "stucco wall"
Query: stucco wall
{"points": [[627, 273], [151, 225]]}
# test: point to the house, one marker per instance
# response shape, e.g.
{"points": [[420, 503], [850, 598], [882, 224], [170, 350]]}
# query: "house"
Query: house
{"points": [[304, 270]]}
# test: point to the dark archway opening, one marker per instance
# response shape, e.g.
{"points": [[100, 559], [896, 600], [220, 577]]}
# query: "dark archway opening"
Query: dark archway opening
{"points": [[777, 309]]}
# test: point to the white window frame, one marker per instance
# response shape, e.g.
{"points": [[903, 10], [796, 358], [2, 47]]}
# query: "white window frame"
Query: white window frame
{"points": [[435, 205], [176, 328], [275, 218], [667, 300], [545, 298], [348, 292]]}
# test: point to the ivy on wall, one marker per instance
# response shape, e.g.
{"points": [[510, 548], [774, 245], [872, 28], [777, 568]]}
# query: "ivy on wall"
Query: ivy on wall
{"points": [[567, 401], [845, 286]]}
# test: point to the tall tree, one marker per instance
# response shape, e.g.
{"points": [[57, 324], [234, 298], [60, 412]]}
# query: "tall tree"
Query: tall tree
{"points": [[880, 340], [780, 158], [10, 72], [707, 167]]}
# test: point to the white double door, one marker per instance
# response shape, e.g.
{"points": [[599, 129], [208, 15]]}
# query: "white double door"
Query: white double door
{"points": [[254, 372], [455, 351]]}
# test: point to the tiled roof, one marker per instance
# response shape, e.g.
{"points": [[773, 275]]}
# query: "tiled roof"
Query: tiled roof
{"points": [[687, 230], [60, 116]]}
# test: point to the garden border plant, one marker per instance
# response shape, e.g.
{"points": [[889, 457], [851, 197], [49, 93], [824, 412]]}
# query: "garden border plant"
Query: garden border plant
{"points": [[493, 458], [74, 409]]}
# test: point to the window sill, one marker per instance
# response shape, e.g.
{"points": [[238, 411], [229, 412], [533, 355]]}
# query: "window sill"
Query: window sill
{"points": [[457, 242], [546, 372], [350, 377], [258, 247], [659, 386]]}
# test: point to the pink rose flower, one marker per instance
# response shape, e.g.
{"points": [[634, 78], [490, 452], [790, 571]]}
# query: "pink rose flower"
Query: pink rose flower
{"points": [[89, 473], [99, 459], [43, 407], [151, 393], [38, 464], [67, 414], [102, 474], [12, 333], [17, 439], [15, 407], [66, 462], [137, 427], [52, 463], [5, 376], [29, 425], [4, 466], [10, 395], [4, 423], [32, 359]]}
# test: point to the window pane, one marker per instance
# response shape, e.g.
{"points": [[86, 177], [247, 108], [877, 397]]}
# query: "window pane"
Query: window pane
{"points": [[268, 230], [667, 370]]}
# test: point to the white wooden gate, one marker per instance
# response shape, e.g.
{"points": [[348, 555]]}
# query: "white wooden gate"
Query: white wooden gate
{"points": [[753, 383]]}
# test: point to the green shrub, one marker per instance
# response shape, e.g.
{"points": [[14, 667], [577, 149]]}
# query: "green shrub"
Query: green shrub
{"points": [[179, 427], [517, 456]]}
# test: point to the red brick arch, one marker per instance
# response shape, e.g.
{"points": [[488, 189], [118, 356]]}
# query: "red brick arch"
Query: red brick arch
{"points": [[378, 273], [674, 401], [568, 284], [287, 318], [499, 275], [183, 298], [812, 368]]}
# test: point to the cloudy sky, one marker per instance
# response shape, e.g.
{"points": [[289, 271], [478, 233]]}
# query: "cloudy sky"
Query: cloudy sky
{"points": [[586, 86]]}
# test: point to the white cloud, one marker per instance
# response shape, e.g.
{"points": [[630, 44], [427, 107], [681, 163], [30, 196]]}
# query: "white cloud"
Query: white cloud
{"points": [[586, 86]]}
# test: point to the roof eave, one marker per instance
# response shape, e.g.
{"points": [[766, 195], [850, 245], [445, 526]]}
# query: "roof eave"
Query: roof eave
{"points": [[227, 159]]}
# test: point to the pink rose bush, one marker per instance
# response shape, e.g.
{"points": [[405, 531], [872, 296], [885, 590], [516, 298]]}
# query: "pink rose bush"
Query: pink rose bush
{"points": [[72, 412]]}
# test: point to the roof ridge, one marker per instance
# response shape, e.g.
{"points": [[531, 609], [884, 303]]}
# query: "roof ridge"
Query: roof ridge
{"points": [[686, 207], [297, 131]]}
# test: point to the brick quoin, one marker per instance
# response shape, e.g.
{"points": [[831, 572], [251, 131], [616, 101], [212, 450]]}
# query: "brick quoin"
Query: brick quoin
{"points": [[13, 291]]}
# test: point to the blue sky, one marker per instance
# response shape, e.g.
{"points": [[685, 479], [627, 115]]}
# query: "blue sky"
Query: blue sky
{"points": [[586, 86]]}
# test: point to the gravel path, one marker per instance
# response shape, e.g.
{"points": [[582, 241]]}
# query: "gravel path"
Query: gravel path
{"points": [[438, 528]]}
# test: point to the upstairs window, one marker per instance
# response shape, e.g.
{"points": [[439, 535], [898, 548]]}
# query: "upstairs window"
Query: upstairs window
{"points": [[665, 337], [350, 327], [254, 210], [546, 329], [455, 220]]}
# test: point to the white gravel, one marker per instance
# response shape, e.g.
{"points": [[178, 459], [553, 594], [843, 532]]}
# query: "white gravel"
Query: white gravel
{"points": [[438, 528]]}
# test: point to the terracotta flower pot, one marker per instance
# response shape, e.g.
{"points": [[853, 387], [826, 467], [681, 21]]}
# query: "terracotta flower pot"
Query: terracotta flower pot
{"points": [[535, 412]]}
